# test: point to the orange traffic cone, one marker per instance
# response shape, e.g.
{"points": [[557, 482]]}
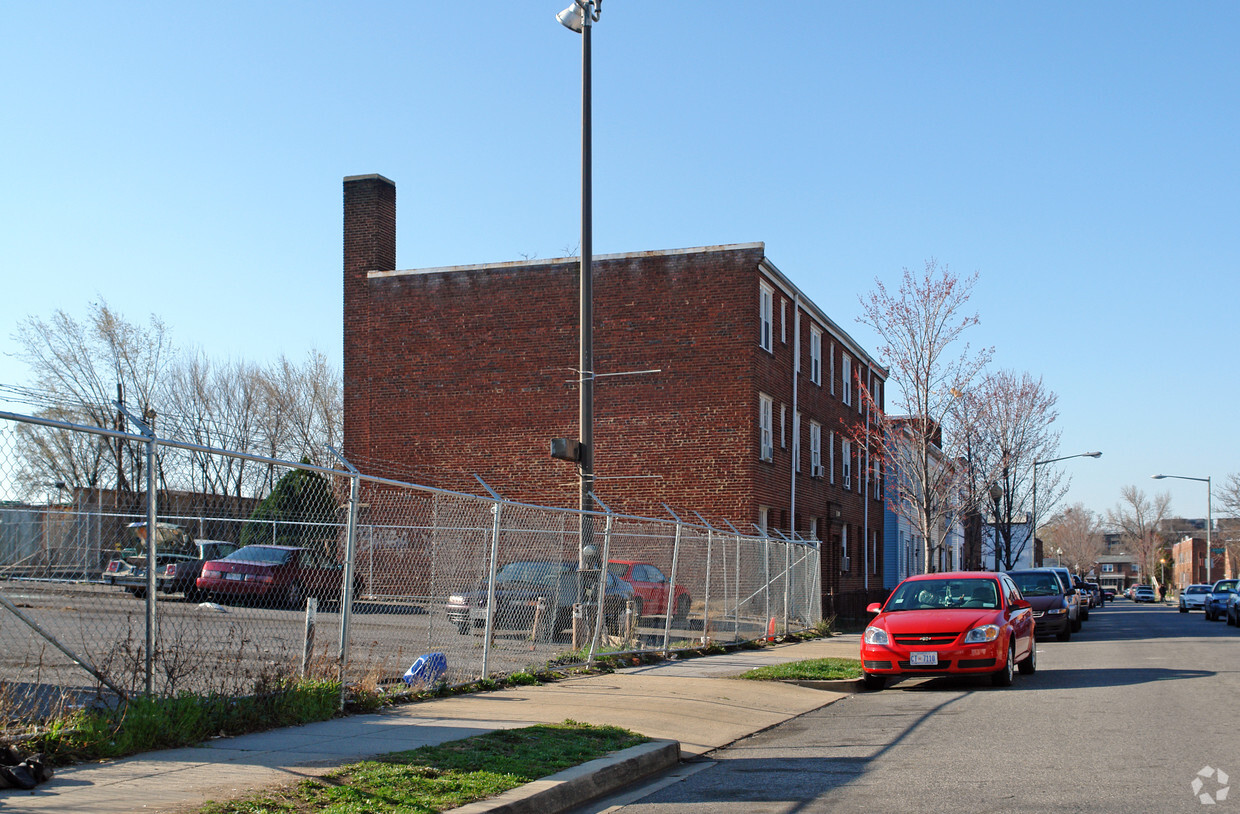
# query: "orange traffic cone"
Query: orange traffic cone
{"points": [[770, 630]]}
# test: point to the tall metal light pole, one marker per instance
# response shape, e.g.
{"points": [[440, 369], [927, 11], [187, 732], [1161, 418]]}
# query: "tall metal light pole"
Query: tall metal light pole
{"points": [[1033, 522], [580, 17], [1209, 517]]}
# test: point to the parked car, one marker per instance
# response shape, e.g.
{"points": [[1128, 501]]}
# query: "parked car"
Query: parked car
{"points": [[653, 589], [281, 575], [961, 623], [178, 561], [1216, 600], [1144, 593], [1086, 598], [519, 586], [1050, 606], [1099, 597], [1193, 597], [1076, 614], [1233, 609], [1108, 594]]}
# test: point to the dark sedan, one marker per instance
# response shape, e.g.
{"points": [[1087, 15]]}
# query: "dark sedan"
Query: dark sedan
{"points": [[520, 585], [1050, 606]]}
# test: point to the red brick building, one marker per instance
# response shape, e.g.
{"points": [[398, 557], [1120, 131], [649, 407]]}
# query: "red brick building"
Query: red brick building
{"points": [[452, 372]]}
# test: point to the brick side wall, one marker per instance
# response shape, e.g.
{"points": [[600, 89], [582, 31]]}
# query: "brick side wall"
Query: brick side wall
{"points": [[457, 372]]}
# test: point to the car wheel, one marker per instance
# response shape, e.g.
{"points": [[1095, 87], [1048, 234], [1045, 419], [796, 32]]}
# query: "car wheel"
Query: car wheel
{"points": [[1076, 625], [1030, 665], [140, 593], [873, 682], [1183, 609], [1209, 617], [1230, 620], [1084, 614], [682, 611], [1064, 635], [1003, 676]]}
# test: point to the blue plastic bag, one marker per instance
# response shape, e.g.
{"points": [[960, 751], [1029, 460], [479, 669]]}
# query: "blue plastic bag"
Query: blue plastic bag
{"points": [[428, 669]]}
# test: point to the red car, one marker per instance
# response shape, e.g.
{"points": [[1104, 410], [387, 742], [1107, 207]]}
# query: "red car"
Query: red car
{"points": [[961, 623], [280, 575], [653, 589]]}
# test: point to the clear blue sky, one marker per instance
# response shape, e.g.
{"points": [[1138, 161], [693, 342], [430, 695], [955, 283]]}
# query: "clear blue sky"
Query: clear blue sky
{"points": [[185, 159]]}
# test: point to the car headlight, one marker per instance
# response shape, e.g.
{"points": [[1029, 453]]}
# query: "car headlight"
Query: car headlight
{"points": [[876, 635], [1056, 611], [456, 599], [985, 633]]}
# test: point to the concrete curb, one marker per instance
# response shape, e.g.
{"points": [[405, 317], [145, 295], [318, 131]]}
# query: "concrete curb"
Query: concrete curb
{"points": [[836, 685], [580, 784]]}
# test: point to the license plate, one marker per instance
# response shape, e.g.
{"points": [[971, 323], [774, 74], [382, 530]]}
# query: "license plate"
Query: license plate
{"points": [[234, 576], [924, 659]]}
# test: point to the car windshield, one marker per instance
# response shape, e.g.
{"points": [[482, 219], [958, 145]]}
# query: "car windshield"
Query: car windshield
{"points": [[1036, 584], [927, 594], [618, 568], [1225, 585], [534, 573], [261, 553], [1198, 589]]}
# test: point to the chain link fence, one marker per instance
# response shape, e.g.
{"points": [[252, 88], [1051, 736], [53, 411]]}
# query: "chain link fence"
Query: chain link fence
{"points": [[307, 570]]}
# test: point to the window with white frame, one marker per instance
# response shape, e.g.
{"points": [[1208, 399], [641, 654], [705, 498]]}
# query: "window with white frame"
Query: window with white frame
{"points": [[783, 426], [813, 528], [766, 408], [764, 518], [831, 367], [766, 307], [847, 382], [831, 456], [844, 548], [783, 321], [815, 355], [815, 449], [1108, 568], [846, 454]]}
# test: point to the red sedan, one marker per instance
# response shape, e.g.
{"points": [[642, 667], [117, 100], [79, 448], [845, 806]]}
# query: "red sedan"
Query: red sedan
{"points": [[653, 589], [278, 575], [962, 623]]}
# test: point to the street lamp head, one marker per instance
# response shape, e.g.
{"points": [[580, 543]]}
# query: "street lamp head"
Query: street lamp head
{"points": [[573, 18], [1093, 454], [996, 492], [1157, 477]]}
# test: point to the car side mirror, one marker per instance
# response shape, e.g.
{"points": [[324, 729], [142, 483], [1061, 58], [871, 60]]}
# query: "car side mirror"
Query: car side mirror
{"points": [[1021, 604], [874, 607]]}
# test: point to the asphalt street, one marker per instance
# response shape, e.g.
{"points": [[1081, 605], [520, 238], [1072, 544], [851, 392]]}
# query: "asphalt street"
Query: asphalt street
{"points": [[1123, 718]]}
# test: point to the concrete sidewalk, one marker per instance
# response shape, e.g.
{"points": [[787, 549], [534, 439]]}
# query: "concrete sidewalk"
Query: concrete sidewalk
{"points": [[691, 701]]}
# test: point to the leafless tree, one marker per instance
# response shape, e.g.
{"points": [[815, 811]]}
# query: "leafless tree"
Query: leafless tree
{"points": [[1228, 530], [1007, 423], [83, 367], [305, 407], [285, 410], [1136, 518], [1075, 537], [920, 328]]}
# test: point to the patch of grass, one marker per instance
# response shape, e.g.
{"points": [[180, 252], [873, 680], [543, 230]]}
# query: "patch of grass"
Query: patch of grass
{"points": [[144, 723], [832, 669], [437, 778]]}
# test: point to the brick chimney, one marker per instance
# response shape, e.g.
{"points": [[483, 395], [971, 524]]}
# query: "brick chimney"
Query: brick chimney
{"points": [[369, 245]]}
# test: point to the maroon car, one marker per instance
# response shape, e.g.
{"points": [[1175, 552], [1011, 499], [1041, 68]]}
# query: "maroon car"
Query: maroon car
{"points": [[276, 574], [653, 589]]}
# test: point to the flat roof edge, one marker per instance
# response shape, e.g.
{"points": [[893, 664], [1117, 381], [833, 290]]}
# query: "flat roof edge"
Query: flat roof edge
{"points": [[555, 261]]}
